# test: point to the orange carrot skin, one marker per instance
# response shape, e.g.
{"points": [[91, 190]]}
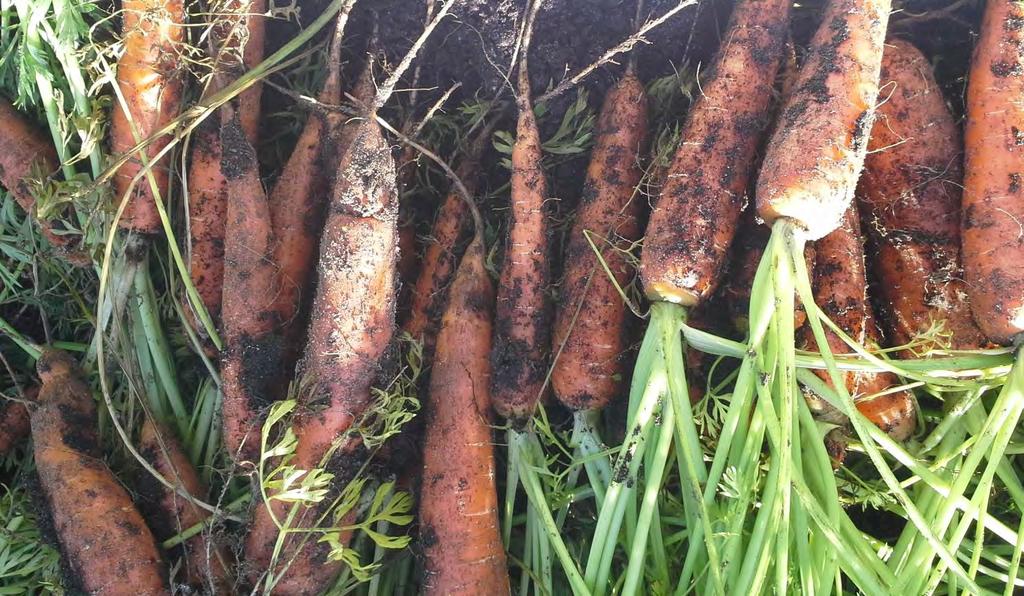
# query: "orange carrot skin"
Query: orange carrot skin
{"points": [[22, 147], [102, 536], [523, 317], [169, 513], [693, 223], [351, 327], [458, 498], [250, 365], [150, 79], [590, 328], [909, 194], [815, 156], [840, 290], [206, 185], [14, 423], [993, 200]]}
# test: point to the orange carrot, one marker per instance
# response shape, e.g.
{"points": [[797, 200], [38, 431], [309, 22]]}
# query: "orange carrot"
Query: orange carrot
{"points": [[205, 563], [150, 78], [103, 538], [993, 199], [458, 497], [238, 40], [815, 156], [250, 365], [694, 220], [910, 196], [590, 328]]}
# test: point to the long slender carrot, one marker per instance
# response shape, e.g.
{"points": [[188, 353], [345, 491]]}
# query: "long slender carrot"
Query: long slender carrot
{"points": [[22, 150], [441, 255], [206, 564], [694, 220], [909, 195], [812, 164], [590, 331], [237, 40], [352, 324], [14, 422], [993, 199], [458, 497], [250, 365], [150, 78], [102, 537], [841, 291]]}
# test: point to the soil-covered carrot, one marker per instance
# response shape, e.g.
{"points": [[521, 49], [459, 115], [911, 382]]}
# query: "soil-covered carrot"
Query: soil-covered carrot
{"points": [[993, 199], [103, 538], [205, 563], [251, 370], [24, 150], [150, 78], [693, 223], [441, 254], [815, 156], [909, 195], [352, 325], [14, 423], [841, 291], [458, 497], [237, 40], [590, 328]]}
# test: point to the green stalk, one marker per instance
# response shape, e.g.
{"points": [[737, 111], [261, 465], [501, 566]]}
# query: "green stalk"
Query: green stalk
{"points": [[590, 449]]}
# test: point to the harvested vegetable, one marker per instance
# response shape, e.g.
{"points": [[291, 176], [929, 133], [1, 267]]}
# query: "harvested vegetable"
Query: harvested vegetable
{"points": [[14, 422]]}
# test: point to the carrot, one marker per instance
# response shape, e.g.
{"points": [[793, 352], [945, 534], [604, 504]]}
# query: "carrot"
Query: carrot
{"points": [[815, 156], [458, 497], [993, 199], [910, 196], [238, 44], [840, 289], [250, 364], [590, 328], [150, 79], [14, 422], [694, 220], [441, 254], [22, 150], [103, 538], [169, 513], [352, 325]]}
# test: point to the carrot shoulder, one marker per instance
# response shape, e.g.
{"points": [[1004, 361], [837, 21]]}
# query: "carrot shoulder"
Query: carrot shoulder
{"points": [[458, 497], [909, 195], [150, 78], [694, 220], [993, 200], [102, 537], [815, 156], [590, 337]]}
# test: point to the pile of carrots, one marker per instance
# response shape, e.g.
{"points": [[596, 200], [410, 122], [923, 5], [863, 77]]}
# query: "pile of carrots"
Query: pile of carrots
{"points": [[300, 282]]}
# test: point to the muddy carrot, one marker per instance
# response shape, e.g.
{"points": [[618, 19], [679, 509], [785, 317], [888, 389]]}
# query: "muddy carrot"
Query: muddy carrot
{"points": [[694, 220], [14, 422], [841, 291], [993, 199], [909, 196], [206, 564], [150, 77], [103, 538], [590, 336], [815, 156]]}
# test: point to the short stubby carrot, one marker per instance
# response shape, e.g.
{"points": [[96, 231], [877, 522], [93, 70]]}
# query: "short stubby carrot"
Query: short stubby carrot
{"points": [[909, 196], [458, 498], [591, 335], [814, 159], [150, 77], [841, 291], [103, 538], [694, 221], [993, 199]]}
